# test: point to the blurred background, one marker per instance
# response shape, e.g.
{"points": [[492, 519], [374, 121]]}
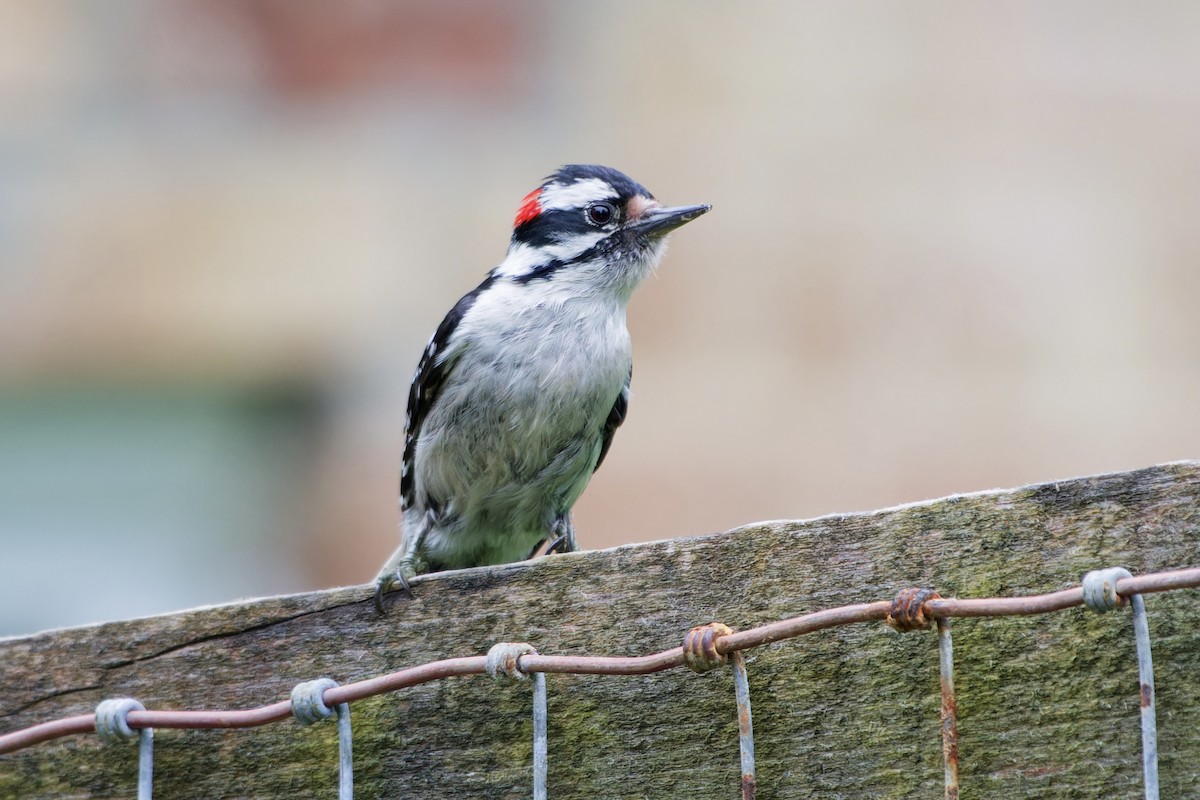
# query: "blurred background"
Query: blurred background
{"points": [[954, 247]]}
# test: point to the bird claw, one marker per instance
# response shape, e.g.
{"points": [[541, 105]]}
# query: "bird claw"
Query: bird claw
{"points": [[565, 541], [407, 568]]}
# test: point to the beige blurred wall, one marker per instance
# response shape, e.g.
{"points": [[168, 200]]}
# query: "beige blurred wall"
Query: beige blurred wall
{"points": [[954, 245]]}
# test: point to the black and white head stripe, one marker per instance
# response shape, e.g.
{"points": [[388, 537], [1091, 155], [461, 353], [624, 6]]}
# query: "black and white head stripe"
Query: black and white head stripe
{"points": [[551, 214], [552, 228]]}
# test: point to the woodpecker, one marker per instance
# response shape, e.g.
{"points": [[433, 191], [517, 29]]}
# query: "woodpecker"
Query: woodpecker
{"points": [[518, 394]]}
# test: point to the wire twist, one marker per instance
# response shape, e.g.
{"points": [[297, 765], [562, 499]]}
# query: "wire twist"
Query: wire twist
{"points": [[700, 646], [309, 706], [909, 611], [112, 725], [112, 718], [308, 700], [1100, 595], [504, 660], [1100, 589]]}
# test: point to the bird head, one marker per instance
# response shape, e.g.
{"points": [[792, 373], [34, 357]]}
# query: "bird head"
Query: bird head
{"points": [[590, 227]]}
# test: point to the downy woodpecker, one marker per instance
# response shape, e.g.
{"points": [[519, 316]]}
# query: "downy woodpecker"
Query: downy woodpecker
{"points": [[518, 395]]}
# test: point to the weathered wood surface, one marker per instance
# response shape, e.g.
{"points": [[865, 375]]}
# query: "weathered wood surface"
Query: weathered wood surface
{"points": [[1048, 706]]}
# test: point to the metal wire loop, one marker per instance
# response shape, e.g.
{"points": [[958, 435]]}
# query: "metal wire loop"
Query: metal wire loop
{"points": [[112, 718], [504, 660], [1100, 589], [1100, 595], [700, 646], [308, 700], [112, 724], [308, 706], [908, 611]]}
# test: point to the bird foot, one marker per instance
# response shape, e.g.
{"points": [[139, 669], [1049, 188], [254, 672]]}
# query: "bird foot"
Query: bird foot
{"points": [[564, 541], [407, 568]]}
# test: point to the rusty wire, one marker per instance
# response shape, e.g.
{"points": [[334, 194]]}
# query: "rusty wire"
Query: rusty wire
{"points": [[741, 693], [949, 709], [934, 608]]}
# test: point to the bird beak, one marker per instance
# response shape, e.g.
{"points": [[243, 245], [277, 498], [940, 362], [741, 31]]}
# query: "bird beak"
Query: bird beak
{"points": [[661, 221]]}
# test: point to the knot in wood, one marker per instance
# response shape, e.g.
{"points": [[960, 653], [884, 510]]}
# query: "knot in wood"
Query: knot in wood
{"points": [[908, 612], [700, 646]]}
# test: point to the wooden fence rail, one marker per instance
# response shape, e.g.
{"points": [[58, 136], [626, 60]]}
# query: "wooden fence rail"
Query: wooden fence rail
{"points": [[1047, 705]]}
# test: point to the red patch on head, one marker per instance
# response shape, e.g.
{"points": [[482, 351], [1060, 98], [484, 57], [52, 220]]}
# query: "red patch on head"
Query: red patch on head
{"points": [[529, 209]]}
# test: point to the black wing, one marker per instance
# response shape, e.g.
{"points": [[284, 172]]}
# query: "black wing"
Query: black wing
{"points": [[427, 383], [615, 418]]}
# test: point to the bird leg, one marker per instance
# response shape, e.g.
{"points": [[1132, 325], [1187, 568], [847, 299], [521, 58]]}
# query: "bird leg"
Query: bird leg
{"points": [[404, 565], [564, 533]]}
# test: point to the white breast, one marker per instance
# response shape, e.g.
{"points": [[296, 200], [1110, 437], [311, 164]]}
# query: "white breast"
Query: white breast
{"points": [[514, 434]]}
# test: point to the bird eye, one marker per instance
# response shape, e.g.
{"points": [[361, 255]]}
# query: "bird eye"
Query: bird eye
{"points": [[600, 213]]}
